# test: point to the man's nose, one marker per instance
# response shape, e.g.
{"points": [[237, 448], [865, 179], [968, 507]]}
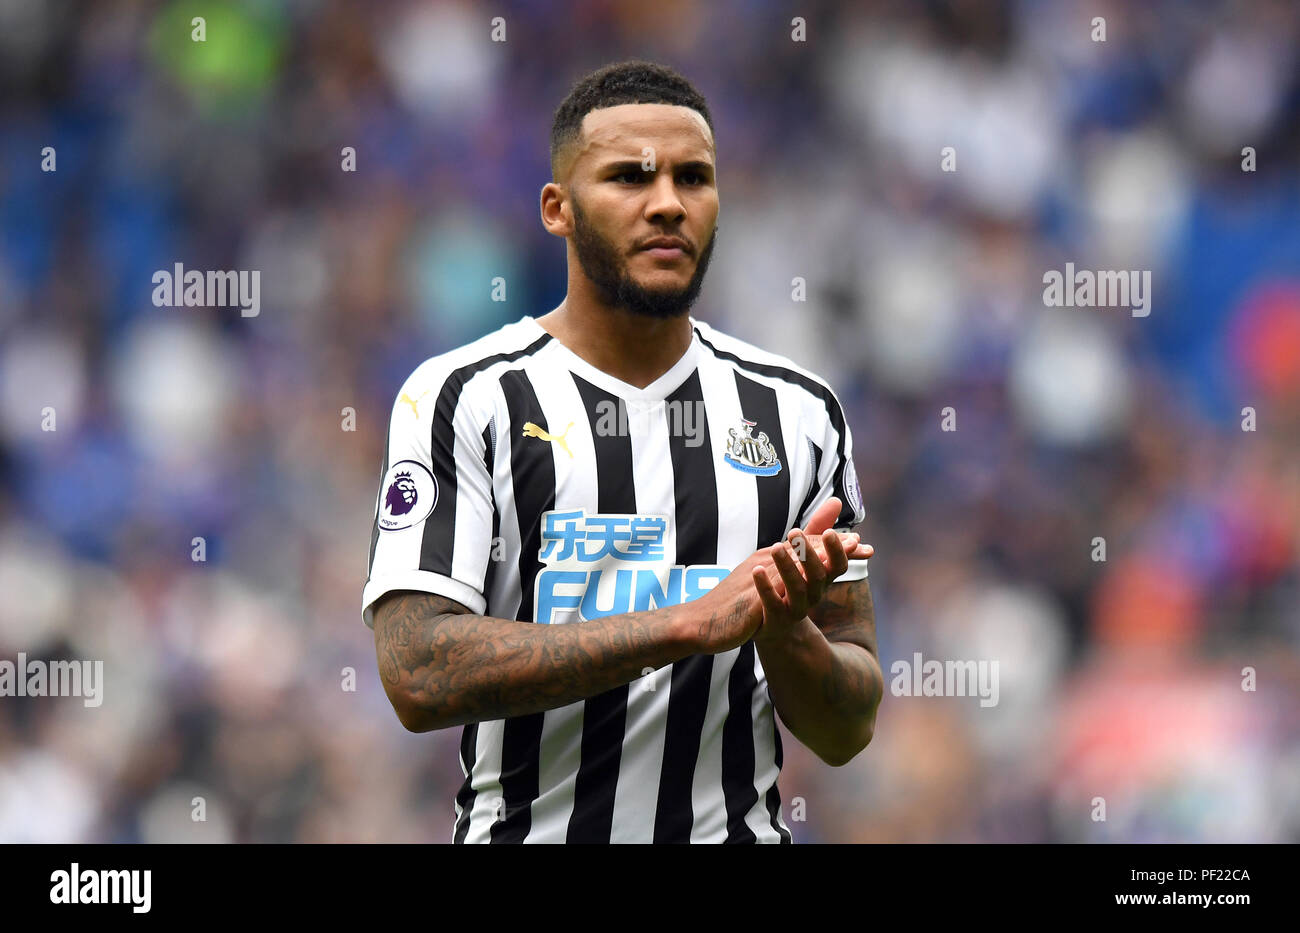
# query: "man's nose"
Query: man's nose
{"points": [[664, 202]]}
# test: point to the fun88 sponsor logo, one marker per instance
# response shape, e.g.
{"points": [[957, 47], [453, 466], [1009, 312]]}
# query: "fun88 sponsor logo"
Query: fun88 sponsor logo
{"points": [[601, 564]]}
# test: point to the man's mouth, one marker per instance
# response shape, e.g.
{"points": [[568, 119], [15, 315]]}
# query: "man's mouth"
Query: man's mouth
{"points": [[665, 248]]}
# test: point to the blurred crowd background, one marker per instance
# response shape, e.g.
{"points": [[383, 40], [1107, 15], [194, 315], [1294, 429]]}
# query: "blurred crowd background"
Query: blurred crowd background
{"points": [[1121, 680]]}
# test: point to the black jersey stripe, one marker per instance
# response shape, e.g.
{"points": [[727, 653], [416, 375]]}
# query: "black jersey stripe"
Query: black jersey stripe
{"points": [[696, 511], [773, 800], [439, 539], [532, 474], [604, 717], [465, 796], [758, 404], [738, 788], [833, 411], [813, 485], [489, 461]]}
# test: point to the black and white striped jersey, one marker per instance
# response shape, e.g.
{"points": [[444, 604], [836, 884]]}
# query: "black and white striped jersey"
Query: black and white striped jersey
{"points": [[527, 484]]}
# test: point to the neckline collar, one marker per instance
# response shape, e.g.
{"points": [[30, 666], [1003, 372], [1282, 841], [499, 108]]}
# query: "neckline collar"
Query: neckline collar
{"points": [[661, 388]]}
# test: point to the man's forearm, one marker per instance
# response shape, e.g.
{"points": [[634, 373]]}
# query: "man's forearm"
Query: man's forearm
{"points": [[445, 669], [826, 692]]}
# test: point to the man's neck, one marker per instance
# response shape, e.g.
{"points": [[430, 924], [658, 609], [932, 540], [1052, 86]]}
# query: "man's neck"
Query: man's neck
{"points": [[632, 348]]}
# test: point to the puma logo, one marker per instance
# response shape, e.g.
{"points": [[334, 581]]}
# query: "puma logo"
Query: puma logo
{"points": [[412, 401], [532, 430]]}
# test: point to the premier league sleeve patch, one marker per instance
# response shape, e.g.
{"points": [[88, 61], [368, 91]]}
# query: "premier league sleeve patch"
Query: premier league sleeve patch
{"points": [[409, 495]]}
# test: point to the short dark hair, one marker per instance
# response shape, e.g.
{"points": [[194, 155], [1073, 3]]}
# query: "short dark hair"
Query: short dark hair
{"points": [[629, 82]]}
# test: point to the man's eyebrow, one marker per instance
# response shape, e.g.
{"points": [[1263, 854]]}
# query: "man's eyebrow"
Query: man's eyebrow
{"points": [[634, 165]]}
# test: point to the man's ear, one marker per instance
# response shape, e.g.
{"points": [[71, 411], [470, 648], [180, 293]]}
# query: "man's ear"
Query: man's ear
{"points": [[556, 216]]}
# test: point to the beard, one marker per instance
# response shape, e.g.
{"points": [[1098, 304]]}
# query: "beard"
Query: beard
{"points": [[608, 271]]}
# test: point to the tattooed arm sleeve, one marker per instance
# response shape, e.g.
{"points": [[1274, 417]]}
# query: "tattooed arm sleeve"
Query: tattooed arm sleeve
{"points": [[443, 666]]}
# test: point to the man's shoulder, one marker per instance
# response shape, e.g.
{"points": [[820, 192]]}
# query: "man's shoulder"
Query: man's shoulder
{"points": [[754, 359], [460, 364]]}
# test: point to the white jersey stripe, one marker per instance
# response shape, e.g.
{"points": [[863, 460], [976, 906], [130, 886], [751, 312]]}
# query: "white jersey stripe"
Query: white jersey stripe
{"points": [[647, 700]]}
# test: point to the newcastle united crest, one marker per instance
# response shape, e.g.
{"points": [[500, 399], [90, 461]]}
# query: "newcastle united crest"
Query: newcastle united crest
{"points": [[751, 454]]}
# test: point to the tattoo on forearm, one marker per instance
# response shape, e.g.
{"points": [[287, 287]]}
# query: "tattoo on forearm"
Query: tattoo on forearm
{"points": [[716, 624], [846, 616], [849, 686], [473, 668]]}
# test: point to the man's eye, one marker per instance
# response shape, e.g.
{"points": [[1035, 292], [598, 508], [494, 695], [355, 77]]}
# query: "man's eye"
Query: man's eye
{"points": [[628, 175], [693, 178]]}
